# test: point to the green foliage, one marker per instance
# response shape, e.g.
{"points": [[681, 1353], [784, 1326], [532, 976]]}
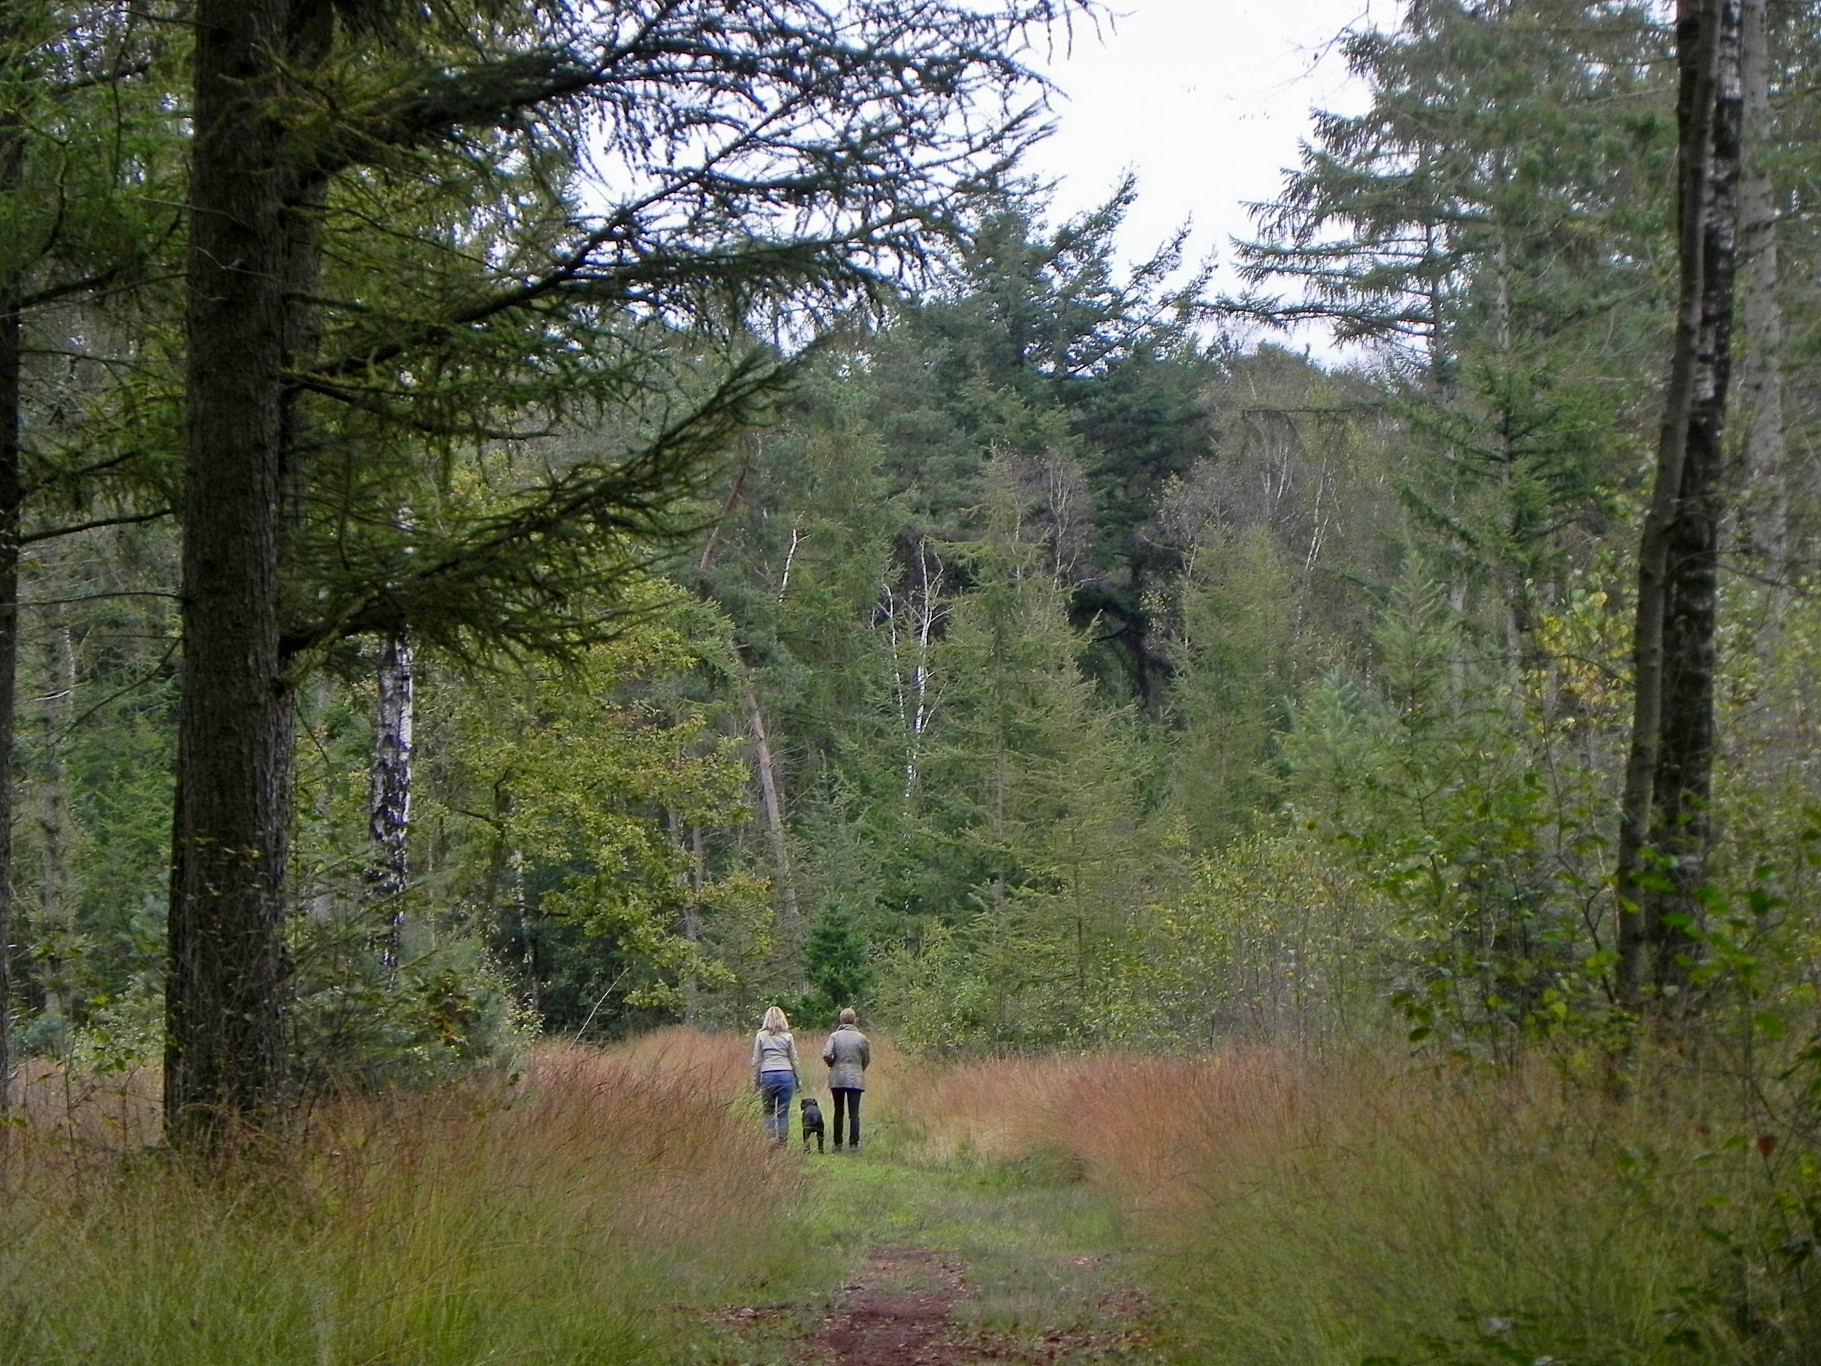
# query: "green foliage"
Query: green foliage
{"points": [[1462, 798], [1275, 940], [837, 964], [1234, 684], [354, 1024], [1120, 687], [560, 799], [1485, 225], [1024, 814], [1420, 1222], [1081, 387]]}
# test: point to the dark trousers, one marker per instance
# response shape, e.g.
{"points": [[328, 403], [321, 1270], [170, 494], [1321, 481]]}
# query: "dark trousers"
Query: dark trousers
{"points": [[847, 1103]]}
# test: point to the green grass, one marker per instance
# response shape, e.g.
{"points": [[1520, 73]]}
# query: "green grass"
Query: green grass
{"points": [[1035, 1248], [1051, 1265], [1303, 1214], [615, 1209], [577, 1220], [620, 1210]]}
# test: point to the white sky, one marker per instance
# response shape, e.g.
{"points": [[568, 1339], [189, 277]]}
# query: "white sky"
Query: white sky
{"points": [[1206, 100]]}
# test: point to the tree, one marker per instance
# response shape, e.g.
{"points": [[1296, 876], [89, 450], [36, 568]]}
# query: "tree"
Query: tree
{"points": [[558, 795], [1766, 494], [1043, 351], [81, 133], [835, 962], [1232, 684], [1026, 823], [742, 182], [1664, 827], [1482, 226]]}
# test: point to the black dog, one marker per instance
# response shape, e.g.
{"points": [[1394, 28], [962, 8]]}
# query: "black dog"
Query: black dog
{"points": [[812, 1123]]}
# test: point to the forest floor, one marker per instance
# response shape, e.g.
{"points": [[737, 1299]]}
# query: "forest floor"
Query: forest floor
{"points": [[953, 1265]]}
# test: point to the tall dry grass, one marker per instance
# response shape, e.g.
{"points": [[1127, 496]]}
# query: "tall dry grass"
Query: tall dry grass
{"points": [[563, 1218], [1360, 1211], [109, 1111]]}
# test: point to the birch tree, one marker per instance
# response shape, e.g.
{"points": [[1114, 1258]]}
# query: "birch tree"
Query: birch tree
{"points": [[1664, 829]]}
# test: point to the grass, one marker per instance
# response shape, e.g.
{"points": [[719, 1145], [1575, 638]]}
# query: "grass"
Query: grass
{"points": [[1051, 1265], [580, 1215], [620, 1206], [1040, 1250], [1356, 1212]]}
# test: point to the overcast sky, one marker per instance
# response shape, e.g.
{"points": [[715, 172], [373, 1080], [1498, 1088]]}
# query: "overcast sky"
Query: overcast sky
{"points": [[1206, 100]]}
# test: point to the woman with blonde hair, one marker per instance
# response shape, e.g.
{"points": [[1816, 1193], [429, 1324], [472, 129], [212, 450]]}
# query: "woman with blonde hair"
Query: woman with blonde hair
{"points": [[774, 1073]]}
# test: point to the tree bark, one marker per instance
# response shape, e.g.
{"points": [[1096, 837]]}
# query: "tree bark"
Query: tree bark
{"points": [[226, 976], [12, 167], [389, 799], [1664, 829], [774, 807], [1766, 493], [692, 904], [10, 361], [755, 722], [57, 914]]}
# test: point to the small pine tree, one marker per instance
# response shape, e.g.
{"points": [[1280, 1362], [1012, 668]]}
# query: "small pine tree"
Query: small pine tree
{"points": [[836, 963]]}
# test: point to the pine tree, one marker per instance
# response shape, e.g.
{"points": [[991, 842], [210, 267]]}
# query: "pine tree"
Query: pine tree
{"points": [[1485, 226], [1233, 685], [1095, 381], [835, 962], [1024, 825], [816, 177]]}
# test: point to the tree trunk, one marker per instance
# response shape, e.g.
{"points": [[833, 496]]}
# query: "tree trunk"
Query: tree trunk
{"points": [[10, 361], [389, 799], [12, 168], [1766, 493], [774, 807], [226, 977], [692, 904], [521, 907], [1664, 829], [57, 916], [1516, 585]]}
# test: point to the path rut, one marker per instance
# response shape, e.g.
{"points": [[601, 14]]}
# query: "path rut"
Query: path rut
{"points": [[898, 1312]]}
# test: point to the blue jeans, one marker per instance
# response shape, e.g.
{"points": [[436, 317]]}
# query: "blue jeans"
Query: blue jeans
{"points": [[775, 1091]]}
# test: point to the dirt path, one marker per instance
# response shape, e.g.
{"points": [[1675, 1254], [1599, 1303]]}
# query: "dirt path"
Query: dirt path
{"points": [[967, 1265], [897, 1313]]}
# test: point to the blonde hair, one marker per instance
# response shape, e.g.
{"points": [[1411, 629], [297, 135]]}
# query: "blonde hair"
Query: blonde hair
{"points": [[776, 1022]]}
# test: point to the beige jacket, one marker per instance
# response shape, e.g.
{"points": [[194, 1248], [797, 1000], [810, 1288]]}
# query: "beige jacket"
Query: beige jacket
{"points": [[847, 1054], [773, 1053]]}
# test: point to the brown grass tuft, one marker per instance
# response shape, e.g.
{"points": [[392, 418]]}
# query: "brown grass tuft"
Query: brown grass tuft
{"points": [[564, 1217], [1359, 1208]]}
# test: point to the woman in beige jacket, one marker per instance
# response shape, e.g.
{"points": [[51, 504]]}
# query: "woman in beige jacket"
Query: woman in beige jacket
{"points": [[774, 1072], [847, 1054]]}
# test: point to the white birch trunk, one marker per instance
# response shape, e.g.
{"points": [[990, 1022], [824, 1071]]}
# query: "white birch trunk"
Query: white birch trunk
{"points": [[389, 799], [56, 916]]}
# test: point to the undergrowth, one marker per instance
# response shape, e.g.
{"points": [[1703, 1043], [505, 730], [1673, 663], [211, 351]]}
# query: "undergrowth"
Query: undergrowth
{"points": [[577, 1215], [1363, 1212]]}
